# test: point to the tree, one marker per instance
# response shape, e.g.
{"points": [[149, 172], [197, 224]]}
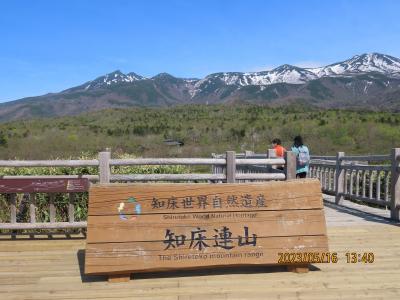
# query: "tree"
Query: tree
{"points": [[3, 140]]}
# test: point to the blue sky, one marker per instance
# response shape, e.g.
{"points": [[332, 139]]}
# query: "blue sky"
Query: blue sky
{"points": [[48, 46]]}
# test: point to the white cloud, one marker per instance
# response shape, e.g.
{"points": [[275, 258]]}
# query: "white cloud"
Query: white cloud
{"points": [[262, 68], [301, 64], [309, 64]]}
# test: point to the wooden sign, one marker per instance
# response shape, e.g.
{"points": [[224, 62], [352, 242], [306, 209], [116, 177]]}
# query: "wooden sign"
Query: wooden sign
{"points": [[149, 227], [59, 185]]}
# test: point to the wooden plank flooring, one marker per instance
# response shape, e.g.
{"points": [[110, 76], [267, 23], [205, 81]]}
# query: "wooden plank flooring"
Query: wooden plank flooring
{"points": [[53, 269]]}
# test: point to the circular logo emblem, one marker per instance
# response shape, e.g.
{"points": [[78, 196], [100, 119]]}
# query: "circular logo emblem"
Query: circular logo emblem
{"points": [[136, 211]]}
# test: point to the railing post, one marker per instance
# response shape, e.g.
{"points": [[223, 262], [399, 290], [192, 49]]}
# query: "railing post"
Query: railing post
{"points": [[290, 165], [213, 167], [13, 208], [52, 208], [104, 166], [248, 153], [395, 185], [23, 208], [71, 208], [271, 153], [230, 166], [339, 179], [32, 207]]}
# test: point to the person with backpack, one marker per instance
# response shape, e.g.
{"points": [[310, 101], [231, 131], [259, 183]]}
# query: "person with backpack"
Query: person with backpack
{"points": [[303, 157]]}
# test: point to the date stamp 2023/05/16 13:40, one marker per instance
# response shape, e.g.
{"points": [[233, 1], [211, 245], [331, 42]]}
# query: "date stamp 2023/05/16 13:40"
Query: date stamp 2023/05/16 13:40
{"points": [[324, 257]]}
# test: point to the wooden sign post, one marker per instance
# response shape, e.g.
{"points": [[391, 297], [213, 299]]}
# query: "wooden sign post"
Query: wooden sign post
{"points": [[152, 227]]}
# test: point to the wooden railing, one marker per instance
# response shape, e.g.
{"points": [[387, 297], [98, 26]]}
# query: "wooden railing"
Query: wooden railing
{"points": [[230, 163], [371, 179], [253, 168], [357, 178], [346, 177]]}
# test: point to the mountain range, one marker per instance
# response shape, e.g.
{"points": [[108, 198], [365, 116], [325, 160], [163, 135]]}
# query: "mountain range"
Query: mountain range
{"points": [[368, 81]]}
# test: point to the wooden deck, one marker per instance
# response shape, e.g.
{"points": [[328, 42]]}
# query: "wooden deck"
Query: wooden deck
{"points": [[53, 269]]}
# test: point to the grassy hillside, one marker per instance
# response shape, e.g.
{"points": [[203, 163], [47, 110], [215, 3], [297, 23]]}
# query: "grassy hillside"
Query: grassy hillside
{"points": [[203, 129]]}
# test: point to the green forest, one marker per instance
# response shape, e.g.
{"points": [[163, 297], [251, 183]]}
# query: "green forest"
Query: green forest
{"points": [[204, 129]]}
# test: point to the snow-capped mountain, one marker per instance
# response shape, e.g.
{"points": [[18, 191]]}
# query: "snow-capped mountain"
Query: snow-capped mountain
{"points": [[368, 81], [358, 64], [365, 63], [373, 62], [112, 78], [285, 73]]}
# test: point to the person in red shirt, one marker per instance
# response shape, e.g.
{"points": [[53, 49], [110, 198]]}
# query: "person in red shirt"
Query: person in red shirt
{"points": [[279, 150]]}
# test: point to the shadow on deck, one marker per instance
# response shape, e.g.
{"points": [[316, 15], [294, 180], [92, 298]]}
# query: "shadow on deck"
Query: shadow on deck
{"points": [[220, 271], [53, 268], [351, 213]]}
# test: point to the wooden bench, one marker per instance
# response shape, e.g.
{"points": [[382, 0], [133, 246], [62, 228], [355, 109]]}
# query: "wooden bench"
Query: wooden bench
{"points": [[153, 227]]}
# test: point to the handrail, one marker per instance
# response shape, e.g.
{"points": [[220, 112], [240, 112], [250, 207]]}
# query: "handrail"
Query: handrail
{"points": [[367, 157], [166, 177], [324, 157], [43, 225], [90, 177], [370, 168], [353, 157], [49, 163], [323, 163], [340, 175], [347, 178], [167, 161], [230, 166], [261, 176], [325, 168], [263, 161]]}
